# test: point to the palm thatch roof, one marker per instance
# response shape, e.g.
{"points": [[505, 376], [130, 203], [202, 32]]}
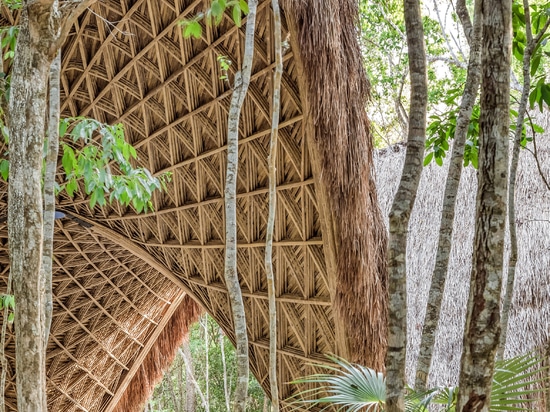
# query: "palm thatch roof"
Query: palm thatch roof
{"points": [[530, 312], [121, 277]]}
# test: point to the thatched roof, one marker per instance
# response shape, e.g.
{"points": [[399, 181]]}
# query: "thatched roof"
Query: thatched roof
{"points": [[120, 277], [530, 313]]}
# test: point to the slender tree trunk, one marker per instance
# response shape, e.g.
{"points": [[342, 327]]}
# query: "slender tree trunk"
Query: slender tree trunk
{"points": [[206, 362], [522, 108], [190, 391], [172, 393], [439, 275], [227, 395], [49, 193], [464, 16], [242, 80], [482, 331], [272, 162], [191, 378], [402, 208]]}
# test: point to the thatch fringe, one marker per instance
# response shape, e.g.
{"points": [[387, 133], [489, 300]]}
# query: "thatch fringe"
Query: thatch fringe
{"points": [[335, 90], [160, 357]]}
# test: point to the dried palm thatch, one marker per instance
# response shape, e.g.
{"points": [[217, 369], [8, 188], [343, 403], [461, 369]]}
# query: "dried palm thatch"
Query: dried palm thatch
{"points": [[531, 302], [159, 358], [120, 276], [335, 90]]}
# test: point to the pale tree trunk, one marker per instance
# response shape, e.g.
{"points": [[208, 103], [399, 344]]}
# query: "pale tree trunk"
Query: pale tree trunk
{"points": [[513, 259], [464, 16], [204, 323], [191, 378], [401, 210], [49, 193], [482, 330], [439, 276], [173, 397], [272, 163], [190, 389], [226, 393], [242, 80]]}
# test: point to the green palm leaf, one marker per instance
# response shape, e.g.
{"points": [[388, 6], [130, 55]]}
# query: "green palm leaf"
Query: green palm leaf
{"points": [[513, 380], [517, 384], [352, 388]]}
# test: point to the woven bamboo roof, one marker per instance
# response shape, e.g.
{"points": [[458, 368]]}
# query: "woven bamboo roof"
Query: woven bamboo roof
{"points": [[120, 277], [123, 282]]}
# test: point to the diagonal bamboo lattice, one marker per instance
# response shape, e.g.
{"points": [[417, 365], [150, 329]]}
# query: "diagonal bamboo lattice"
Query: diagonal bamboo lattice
{"points": [[122, 281], [120, 277]]}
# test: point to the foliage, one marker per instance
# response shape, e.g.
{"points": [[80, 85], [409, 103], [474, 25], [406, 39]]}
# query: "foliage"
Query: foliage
{"points": [[89, 167], [13, 4], [386, 62], [193, 28], [8, 302], [176, 381], [224, 63], [91, 164], [517, 384]]}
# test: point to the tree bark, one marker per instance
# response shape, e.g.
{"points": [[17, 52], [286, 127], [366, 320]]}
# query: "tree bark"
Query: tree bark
{"points": [[483, 315], [27, 108], [227, 395], [272, 162], [190, 391], [242, 80], [191, 378], [439, 276], [402, 208], [43, 27], [49, 192], [464, 16]]}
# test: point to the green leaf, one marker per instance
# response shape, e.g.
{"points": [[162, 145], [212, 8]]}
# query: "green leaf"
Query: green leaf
{"points": [[237, 15], [535, 64], [71, 187], [93, 199], [537, 128], [533, 97], [11, 317], [133, 152], [193, 28], [545, 92], [9, 301], [63, 126], [4, 169], [439, 160], [68, 160], [244, 6], [428, 158], [216, 8]]}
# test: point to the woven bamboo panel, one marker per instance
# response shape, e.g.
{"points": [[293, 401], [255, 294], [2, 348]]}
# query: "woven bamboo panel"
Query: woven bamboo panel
{"points": [[117, 273]]}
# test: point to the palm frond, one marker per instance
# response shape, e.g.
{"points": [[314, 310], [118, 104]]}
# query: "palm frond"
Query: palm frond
{"points": [[513, 380], [517, 383], [351, 387]]}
